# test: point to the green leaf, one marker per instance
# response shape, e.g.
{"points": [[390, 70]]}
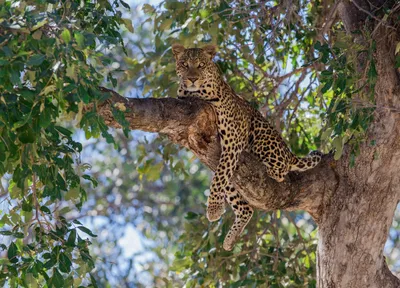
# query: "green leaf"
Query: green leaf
{"points": [[19, 235], [66, 35], [148, 9], [63, 131], [93, 281], [337, 144], [36, 60], [27, 136], [91, 179], [2, 151], [57, 280], [71, 238], [45, 119], [15, 77], [83, 94], [326, 73], [327, 86], [397, 48], [80, 39], [37, 35], [397, 64], [40, 24], [12, 253], [20, 123], [341, 83], [64, 263], [128, 24], [86, 230], [4, 62], [45, 209], [191, 215], [166, 24], [372, 73], [26, 206], [50, 263], [326, 134], [46, 256], [125, 4], [15, 191], [77, 222], [154, 171], [72, 194]]}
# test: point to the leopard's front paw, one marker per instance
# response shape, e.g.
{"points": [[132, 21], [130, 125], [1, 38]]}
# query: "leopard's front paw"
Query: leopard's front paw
{"points": [[215, 211]]}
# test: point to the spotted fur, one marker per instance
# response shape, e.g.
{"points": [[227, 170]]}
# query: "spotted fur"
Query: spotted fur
{"points": [[240, 128]]}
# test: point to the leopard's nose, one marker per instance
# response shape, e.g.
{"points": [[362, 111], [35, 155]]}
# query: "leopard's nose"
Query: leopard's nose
{"points": [[192, 79]]}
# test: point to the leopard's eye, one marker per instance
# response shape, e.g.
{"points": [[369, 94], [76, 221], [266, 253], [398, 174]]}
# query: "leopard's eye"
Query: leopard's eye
{"points": [[201, 64]]}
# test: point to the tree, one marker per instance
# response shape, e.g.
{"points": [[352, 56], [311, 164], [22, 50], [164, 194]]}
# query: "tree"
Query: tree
{"points": [[301, 62]]}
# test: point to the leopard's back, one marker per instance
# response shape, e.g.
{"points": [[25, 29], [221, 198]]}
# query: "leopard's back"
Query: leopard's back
{"points": [[267, 144]]}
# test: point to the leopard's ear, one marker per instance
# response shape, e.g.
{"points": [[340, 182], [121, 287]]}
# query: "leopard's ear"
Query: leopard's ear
{"points": [[177, 50], [210, 50]]}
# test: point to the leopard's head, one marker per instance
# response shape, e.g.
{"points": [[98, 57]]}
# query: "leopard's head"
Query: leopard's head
{"points": [[194, 66]]}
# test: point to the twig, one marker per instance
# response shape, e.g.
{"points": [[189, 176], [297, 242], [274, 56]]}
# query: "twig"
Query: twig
{"points": [[280, 79], [278, 245], [34, 196], [330, 19], [381, 21], [379, 24], [298, 233], [3, 191], [298, 102]]}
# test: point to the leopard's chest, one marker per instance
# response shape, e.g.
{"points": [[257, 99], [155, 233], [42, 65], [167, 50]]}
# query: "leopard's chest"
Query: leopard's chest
{"points": [[233, 125]]}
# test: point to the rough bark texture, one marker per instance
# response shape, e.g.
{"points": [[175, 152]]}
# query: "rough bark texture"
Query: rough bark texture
{"points": [[355, 222], [353, 207]]}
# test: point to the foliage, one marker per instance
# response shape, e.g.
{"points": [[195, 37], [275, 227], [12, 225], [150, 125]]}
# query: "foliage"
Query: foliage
{"points": [[51, 64], [273, 254], [53, 57]]}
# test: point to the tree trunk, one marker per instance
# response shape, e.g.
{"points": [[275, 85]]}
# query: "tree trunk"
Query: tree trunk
{"points": [[353, 206], [355, 222]]}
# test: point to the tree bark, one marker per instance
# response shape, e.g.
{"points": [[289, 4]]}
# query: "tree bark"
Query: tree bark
{"points": [[353, 206], [355, 222]]}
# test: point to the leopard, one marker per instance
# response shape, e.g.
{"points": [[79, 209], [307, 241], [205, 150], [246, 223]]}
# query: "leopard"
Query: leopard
{"points": [[241, 127]]}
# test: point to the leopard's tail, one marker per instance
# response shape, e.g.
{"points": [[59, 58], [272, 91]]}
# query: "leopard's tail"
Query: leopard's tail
{"points": [[308, 162]]}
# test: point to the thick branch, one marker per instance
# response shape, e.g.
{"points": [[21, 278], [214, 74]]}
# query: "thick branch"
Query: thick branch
{"points": [[191, 123]]}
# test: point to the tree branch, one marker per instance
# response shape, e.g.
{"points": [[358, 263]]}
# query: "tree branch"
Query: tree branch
{"points": [[192, 123]]}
